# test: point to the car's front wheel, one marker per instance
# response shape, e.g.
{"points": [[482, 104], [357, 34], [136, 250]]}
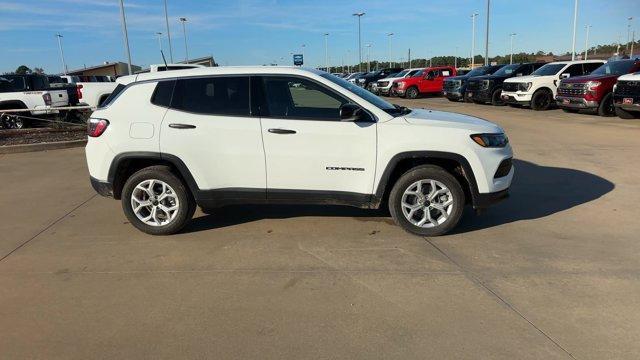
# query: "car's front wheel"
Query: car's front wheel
{"points": [[427, 201], [412, 93], [156, 201]]}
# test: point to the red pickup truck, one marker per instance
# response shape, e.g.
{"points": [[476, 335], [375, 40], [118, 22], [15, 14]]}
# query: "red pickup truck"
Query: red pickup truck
{"points": [[594, 92], [429, 80]]}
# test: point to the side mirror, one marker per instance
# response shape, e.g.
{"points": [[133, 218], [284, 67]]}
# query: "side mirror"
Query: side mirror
{"points": [[519, 74], [565, 76], [351, 112]]}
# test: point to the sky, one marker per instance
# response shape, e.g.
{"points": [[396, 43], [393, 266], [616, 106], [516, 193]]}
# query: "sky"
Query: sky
{"points": [[256, 32]]}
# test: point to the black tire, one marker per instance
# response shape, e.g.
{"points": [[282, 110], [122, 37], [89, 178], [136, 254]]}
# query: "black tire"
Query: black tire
{"points": [[541, 100], [514, 105], [496, 97], [426, 172], [412, 92], [571, 111], [184, 196], [606, 107], [624, 114], [453, 100]]}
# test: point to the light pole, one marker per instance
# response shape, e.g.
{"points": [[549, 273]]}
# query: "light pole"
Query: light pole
{"points": [[455, 58], [473, 39], [511, 56], [629, 30], [359, 15], [326, 51], [486, 38], [389, 35], [160, 40], [586, 42], [368, 57], [303, 59], [575, 23], [183, 20], [123, 18], [166, 19], [633, 40], [64, 65]]}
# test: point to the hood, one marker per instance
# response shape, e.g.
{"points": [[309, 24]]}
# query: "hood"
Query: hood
{"points": [[585, 78], [459, 77], [527, 78], [390, 79], [451, 120]]}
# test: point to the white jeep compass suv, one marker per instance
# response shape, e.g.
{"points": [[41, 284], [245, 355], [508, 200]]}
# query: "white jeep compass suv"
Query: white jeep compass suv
{"points": [[165, 142]]}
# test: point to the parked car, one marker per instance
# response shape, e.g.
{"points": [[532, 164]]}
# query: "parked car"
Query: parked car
{"points": [[31, 92], [626, 96], [383, 86], [538, 90], [58, 83], [325, 141], [365, 81], [454, 87], [428, 81], [354, 76], [488, 88], [594, 92], [91, 91]]}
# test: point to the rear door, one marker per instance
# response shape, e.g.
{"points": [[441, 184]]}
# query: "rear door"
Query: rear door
{"points": [[210, 128], [311, 155]]}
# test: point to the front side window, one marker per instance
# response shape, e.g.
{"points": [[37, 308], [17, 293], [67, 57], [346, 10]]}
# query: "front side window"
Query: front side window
{"points": [[507, 70], [11, 83], [212, 95], [549, 69], [590, 67], [365, 94], [614, 68], [296, 98], [574, 70]]}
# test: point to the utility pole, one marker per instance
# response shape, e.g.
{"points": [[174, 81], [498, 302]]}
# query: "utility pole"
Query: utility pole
{"points": [[586, 42], [326, 51], [486, 37], [511, 56], [368, 57], [359, 15], [183, 20], [64, 65], [473, 39], [633, 40], [409, 57], [303, 59], [575, 23], [455, 58], [628, 30], [123, 18], [389, 35], [166, 19]]}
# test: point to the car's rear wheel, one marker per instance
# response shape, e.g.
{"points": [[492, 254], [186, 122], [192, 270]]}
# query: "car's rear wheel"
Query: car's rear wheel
{"points": [[541, 100], [412, 92], [606, 107], [156, 201], [427, 201]]}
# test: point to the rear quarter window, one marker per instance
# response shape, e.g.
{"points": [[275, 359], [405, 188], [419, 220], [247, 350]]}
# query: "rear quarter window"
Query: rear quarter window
{"points": [[163, 93], [213, 95], [113, 95]]}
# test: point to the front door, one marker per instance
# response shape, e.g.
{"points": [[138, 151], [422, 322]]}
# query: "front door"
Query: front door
{"points": [[311, 155]]}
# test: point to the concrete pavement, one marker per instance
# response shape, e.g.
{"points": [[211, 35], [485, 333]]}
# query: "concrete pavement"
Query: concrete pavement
{"points": [[550, 273]]}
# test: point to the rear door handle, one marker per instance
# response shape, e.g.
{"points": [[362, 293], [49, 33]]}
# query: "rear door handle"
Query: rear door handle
{"points": [[182, 126], [281, 131]]}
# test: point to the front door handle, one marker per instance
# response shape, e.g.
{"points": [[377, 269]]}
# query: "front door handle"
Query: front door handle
{"points": [[182, 126], [281, 131]]}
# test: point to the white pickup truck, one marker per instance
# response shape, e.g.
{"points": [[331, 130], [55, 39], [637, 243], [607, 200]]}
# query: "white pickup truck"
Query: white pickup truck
{"points": [[31, 92], [91, 91]]}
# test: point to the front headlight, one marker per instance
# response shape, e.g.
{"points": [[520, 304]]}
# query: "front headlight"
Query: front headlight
{"points": [[615, 86], [360, 80], [524, 87], [592, 85], [401, 84], [491, 140]]}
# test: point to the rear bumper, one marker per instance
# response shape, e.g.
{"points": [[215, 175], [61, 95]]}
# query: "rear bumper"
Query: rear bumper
{"points": [[102, 187], [567, 102]]}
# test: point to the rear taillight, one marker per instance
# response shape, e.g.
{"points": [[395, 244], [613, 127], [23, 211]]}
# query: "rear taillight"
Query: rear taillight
{"points": [[47, 99], [79, 91], [96, 127]]}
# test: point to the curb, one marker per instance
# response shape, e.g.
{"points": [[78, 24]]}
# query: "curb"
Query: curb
{"points": [[14, 149]]}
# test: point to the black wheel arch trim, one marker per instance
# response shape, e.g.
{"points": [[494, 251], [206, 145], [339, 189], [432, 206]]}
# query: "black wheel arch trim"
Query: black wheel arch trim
{"points": [[467, 172]]}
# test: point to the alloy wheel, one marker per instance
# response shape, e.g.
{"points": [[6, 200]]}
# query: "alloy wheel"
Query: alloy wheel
{"points": [[154, 202], [427, 203]]}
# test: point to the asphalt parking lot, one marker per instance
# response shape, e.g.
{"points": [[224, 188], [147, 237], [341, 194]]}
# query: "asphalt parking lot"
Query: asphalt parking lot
{"points": [[552, 272]]}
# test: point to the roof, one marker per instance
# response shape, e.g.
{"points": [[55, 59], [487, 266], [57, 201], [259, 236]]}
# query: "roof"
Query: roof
{"points": [[222, 70], [578, 62]]}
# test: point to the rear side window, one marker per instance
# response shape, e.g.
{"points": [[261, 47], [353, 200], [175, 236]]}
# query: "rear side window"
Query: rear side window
{"points": [[163, 92], [113, 95], [212, 95], [589, 67]]}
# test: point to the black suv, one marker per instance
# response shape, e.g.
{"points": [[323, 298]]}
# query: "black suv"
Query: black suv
{"points": [[368, 79], [488, 88], [455, 86]]}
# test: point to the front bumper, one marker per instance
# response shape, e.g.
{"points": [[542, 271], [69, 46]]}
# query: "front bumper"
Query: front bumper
{"points": [[624, 103], [398, 92], [516, 98], [102, 187], [483, 201], [566, 102], [480, 95], [453, 95]]}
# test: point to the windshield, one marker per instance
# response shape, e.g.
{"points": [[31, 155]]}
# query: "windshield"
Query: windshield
{"points": [[9, 83], [507, 70], [368, 96], [614, 68], [549, 69]]}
